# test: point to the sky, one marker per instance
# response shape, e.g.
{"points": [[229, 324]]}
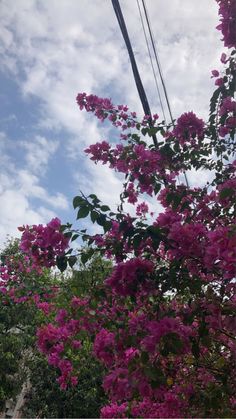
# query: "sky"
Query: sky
{"points": [[52, 49]]}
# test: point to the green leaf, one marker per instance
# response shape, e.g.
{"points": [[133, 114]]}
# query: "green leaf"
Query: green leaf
{"points": [[94, 198], [152, 131], [195, 349], [61, 262], [72, 261], [101, 220], [104, 208], [94, 216], [157, 188], [176, 201], [68, 234], [226, 192], [154, 231], [84, 258], [156, 376], [87, 255], [170, 197], [65, 227], [137, 239], [176, 147], [107, 226], [77, 201], [214, 100], [83, 212], [184, 206], [144, 357], [167, 150]]}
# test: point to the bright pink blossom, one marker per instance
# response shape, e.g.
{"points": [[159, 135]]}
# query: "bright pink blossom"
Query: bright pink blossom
{"points": [[188, 128], [127, 276]]}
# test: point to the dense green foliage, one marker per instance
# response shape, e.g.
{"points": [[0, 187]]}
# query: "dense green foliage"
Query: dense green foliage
{"points": [[20, 359]]}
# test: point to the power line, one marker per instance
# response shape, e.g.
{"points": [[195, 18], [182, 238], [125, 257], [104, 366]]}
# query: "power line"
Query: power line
{"points": [[141, 91], [160, 71], [157, 59], [150, 57], [140, 88]]}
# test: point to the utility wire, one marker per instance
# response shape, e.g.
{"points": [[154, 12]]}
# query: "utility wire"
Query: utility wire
{"points": [[160, 71], [157, 59], [141, 91], [150, 57], [140, 88]]}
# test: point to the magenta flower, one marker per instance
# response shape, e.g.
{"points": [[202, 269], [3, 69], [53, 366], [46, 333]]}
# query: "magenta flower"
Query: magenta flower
{"points": [[128, 275], [227, 11], [188, 128]]}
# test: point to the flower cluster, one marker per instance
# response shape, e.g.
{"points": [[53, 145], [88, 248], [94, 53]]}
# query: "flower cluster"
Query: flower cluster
{"points": [[188, 128], [227, 112], [227, 11], [52, 340], [93, 103], [127, 276], [43, 243]]}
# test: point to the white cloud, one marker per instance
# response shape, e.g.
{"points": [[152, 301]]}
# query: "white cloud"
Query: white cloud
{"points": [[77, 46], [19, 187], [53, 49], [15, 210], [38, 152], [28, 184]]}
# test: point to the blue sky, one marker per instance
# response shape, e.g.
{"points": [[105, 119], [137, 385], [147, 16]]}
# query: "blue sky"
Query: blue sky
{"points": [[50, 51]]}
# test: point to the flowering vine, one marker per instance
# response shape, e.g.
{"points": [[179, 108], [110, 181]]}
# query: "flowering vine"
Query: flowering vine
{"points": [[163, 323]]}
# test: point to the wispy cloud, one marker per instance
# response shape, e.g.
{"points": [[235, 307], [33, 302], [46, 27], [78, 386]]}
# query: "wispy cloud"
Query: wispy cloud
{"points": [[38, 151], [23, 199], [53, 49]]}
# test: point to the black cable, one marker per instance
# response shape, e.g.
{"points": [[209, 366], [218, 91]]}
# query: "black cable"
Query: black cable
{"points": [[150, 57], [157, 60], [160, 72], [141, 91]]}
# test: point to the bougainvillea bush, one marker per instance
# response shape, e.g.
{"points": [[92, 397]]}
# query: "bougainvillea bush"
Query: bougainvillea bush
{"points": [[23, 296], [44, 397], [27, 302], [163, 323]]}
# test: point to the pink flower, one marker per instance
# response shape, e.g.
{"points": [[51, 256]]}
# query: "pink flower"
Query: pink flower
{"points": [[61, 316], [132, 195], [223, 131], [221, 251], [92, 103], [227, 11], [142, 209], [223, 58], [128, 275], [219, 81], [42, 244], [99, 152], [118, 384], [76, 344], [215, 73], [45, 307], [55, 224], [114, 411], [78, 302], [104, 345], [74, 381], [188, 127]]}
